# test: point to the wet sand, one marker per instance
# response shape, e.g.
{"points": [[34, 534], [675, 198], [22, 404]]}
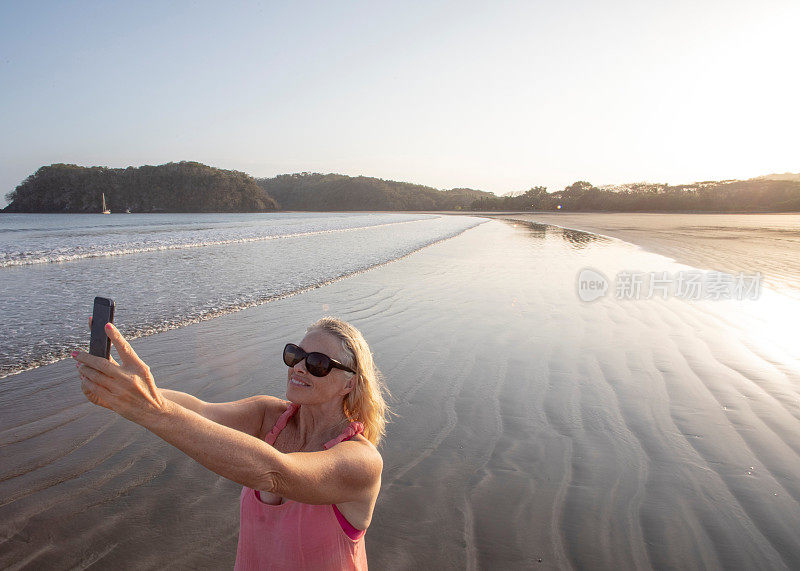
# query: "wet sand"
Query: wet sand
{"points": [[532, 429], [766, 243]]}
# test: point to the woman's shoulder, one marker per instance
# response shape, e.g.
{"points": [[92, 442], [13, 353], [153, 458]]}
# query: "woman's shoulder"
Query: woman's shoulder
{"points": [[361, 447], [274, 407]]}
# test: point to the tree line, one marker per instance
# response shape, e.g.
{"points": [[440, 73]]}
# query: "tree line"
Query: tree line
{"points": [[325, 192], [755, 195], [194, 187], [174, 187]]}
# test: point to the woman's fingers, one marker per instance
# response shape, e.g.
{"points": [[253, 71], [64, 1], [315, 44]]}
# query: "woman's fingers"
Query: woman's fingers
{"points": [[103, 365], [126, 352], [96, 393], [95, 376], [97, 379]]}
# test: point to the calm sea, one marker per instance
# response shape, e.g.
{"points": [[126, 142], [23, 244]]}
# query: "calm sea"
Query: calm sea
{"points": [[168, 270]]}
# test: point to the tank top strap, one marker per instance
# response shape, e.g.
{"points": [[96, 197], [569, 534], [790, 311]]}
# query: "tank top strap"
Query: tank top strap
{"points": [[352, 430], [280, 424]]}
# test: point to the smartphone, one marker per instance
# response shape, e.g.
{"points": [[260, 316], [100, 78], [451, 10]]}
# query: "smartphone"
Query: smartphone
{"points": [[99, 343]]}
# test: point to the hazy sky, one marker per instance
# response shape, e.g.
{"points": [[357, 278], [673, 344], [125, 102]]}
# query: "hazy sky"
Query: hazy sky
{"points": [[498, 96]]}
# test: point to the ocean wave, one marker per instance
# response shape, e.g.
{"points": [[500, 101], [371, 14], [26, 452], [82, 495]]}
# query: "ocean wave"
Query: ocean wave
{"points": [[16, 258], [61, 349]]}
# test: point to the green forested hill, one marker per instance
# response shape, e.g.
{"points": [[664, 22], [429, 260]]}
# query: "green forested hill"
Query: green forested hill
{"points": [[173, 187], [312, 191], [754, 195], [194, 187]]}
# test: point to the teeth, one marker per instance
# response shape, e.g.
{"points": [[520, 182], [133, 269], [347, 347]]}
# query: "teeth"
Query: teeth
{"points": [[298, 383]]}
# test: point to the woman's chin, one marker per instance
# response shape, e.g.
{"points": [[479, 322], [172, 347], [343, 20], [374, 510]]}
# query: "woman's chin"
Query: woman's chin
{"points": [[293, 390]]}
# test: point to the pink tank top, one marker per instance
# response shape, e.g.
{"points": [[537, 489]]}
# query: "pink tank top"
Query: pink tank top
{"points": [[295, 535]]}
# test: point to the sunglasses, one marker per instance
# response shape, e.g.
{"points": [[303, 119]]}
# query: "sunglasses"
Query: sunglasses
{"points": [[318, 364]]}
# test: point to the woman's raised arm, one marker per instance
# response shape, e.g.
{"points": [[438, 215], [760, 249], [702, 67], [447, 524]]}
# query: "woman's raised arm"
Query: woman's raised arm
{"points": [[246, 415]]}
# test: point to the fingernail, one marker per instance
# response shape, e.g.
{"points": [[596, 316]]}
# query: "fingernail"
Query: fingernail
{"points": [[74, 354], [108, 326]]}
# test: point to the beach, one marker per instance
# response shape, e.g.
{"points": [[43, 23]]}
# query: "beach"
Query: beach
{"points": [[531, 429], [765, 243]]}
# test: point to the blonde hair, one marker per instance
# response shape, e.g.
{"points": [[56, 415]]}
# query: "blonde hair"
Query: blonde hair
{"points": [[365, 403]]}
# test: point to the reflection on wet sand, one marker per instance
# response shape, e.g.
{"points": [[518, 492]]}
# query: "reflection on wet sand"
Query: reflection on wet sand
{"points": [[765, 243], [575, 238]]}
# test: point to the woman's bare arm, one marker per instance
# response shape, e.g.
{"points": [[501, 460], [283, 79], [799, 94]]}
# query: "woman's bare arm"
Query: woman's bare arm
{"points": [[347, 472], [246, 415], [184, 399]]}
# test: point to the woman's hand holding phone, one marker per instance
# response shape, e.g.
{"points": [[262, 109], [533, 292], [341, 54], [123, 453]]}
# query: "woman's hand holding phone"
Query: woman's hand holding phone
{"points": [[127, 388]]}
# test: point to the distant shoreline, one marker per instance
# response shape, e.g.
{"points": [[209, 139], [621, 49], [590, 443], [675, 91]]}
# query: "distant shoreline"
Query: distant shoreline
{"points": [[489, 214], [495, 214]]}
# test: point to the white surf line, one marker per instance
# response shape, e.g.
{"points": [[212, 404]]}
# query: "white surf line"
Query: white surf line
{"points": [[189, 245], [213, 314]]}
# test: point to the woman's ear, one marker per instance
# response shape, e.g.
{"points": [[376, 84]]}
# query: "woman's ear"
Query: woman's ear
{"points": [[350, 384]]}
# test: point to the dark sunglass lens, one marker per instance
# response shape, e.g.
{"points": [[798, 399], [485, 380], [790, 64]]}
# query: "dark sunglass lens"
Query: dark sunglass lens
{"points": [[318, 364], [292, 354]]}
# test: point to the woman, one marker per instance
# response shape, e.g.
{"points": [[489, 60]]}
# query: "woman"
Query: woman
{"points": [[310, 467]]}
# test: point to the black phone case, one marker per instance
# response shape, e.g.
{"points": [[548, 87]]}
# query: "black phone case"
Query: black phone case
{"points": [[103, 312]]}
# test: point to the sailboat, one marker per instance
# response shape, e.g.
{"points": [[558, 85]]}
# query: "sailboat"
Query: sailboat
{"points": [[105, 210]]}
